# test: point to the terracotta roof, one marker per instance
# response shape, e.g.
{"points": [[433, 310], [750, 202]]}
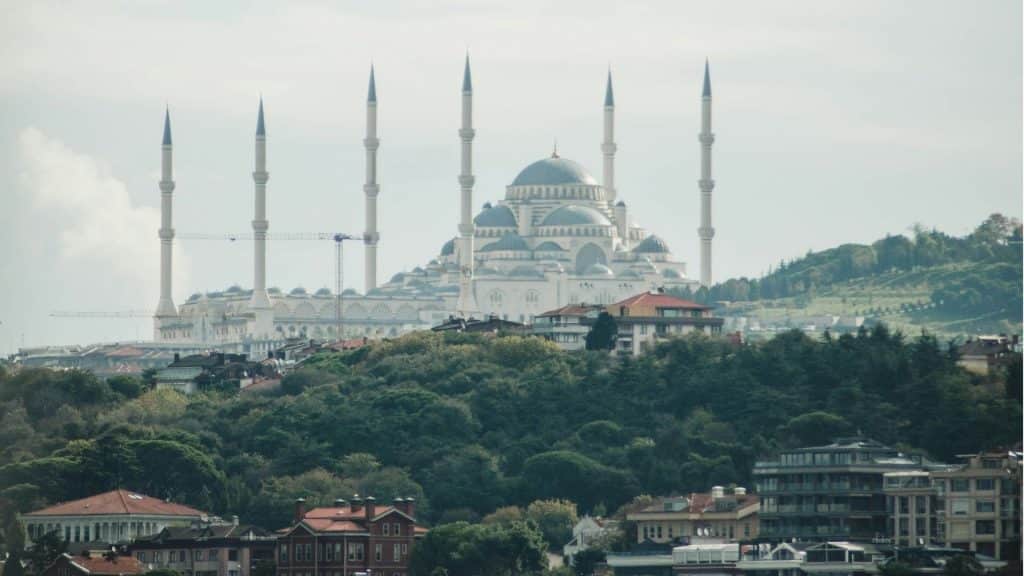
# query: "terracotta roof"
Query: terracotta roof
{"points": [[699, 503], [104, 566], [572, 310], [342, 519], [660, 301], [118, 502]]}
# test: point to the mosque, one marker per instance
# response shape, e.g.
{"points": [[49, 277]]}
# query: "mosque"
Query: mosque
{"points": [[558, 237]]}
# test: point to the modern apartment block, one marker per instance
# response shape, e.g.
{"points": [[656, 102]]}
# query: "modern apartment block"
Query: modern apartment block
{"points": [[832, 492], [980, 501], [915, 508]]}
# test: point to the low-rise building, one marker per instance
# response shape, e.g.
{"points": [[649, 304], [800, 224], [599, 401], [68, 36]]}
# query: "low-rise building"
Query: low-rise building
{"points": [[190, 374], [983, 354], [488, 325], [349, 538], [103, 565], [567, 326], [706, 517], [111, 517], [588, 532], [980, 501], [215, 550], [648, 317]]}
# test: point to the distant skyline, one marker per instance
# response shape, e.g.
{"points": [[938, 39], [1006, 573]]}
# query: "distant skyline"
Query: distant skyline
{"points": [[835, 122]]}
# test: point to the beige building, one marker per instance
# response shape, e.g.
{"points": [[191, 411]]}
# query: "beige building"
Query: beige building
{"points": [[980, 502], [916, 517], [708, 517]]}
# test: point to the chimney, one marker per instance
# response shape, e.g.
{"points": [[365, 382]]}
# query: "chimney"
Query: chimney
{"points": [[340, 503], [371, 507], [300, 509], [717, 492], [234, 520], [739, 491], [356, 504], [410, 507]]}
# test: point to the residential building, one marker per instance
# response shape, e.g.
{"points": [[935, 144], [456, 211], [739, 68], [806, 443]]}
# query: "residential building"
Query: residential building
{"points": [[706, 517], [706, 559], [648, 317], [491, 324], [913, 503], [833, 492], [981, 504], [567, 326], [111, 517], [986, 353], [104, 565], [586, 533], [849, 558], [192, 373], [349, 538], [215, 550], [645, 559]]}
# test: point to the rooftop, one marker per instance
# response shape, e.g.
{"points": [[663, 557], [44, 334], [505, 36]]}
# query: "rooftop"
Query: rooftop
{"points": [[118, 502]]}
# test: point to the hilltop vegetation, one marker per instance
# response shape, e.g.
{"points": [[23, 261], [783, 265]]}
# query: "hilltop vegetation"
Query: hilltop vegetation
{"points": [[469, 424], [947, 285]]}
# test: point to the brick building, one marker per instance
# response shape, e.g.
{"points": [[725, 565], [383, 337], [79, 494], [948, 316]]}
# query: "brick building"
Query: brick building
{"points": [[349, 537]]}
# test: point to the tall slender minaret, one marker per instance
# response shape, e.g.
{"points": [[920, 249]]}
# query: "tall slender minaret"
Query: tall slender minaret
{"points": [[370, 188], [165, 307], [707, 138], [467, 302], [260, 302], [608, 145]]}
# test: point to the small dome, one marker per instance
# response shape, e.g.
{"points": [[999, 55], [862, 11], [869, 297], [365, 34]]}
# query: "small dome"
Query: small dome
{"points": [[652, 245], [620, 204], [499, 216], [449, 248], [273, 290], [573, 215], [323, 292], [194, 297], [549, 246], [510, 241], [525, 271], [433, 263], [487, 271], [350, 292], [397, 278], [672, 273], [629, 274], [234, 289], [598, 270], [417, 270], [298, 291], [552, 171]]}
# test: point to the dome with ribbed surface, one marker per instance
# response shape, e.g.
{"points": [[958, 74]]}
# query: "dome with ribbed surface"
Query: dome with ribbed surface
{"points": [[510, 241], [499, 216], [651, 245], [598, 270], [672, 273], [575, 215], [549, 246], [552, 171]]}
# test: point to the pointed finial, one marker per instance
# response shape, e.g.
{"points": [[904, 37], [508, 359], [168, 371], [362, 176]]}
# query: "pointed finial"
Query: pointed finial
{"points": [[261, 129], [554, 151], [707, 79], [467, 81], [167, 126], [609, 98], [372, 95]]}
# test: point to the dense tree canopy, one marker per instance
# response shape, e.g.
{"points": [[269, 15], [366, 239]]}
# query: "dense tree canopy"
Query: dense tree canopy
{"points": [[469, 424]]}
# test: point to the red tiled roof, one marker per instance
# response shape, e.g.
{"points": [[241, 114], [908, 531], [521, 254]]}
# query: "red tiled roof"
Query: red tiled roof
{"points": [[342, 519], [118, 502], [571, 310], [660, 301], [104, 566]]}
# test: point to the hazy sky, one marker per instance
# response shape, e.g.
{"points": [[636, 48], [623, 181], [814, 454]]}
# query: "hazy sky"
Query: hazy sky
{"points": [[835, 122]]}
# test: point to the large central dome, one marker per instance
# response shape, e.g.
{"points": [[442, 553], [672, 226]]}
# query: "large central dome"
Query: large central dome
{"points": [[552, 171]]}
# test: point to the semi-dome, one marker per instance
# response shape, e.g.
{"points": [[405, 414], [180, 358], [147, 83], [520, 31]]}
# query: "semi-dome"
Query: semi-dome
{"points": [[496, 216], [298, 291], [598, 270], [652, 245], [628, 274], [398, 277], [525, 272], [552, 171], [273, 290], [234, 289], [194, 297], [323, 292], [510, 241], [487, 271], [350, 292], [549, 246], [672, 273], [449, 248], [575, 215]]}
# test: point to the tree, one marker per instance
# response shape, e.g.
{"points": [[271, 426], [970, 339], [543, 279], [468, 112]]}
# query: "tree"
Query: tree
{"points": [[44, 550], [963, 565], [463, 549], [584, 561], [554, 518], [603, 333]]}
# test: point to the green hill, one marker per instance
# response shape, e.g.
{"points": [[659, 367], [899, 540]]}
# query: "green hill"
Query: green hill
{"points": [[948, 286]]}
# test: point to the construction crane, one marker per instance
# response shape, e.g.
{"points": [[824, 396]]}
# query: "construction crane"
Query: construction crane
{"points": [[98, 314]]}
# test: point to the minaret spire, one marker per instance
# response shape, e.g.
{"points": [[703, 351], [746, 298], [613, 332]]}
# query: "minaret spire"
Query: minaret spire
{"points": [[165, 309], [260, 301], [608, 146], [467, 301], [706, 183], [370, 188]]}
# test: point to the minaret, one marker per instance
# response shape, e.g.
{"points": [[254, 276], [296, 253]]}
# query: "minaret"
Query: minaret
{"points": [[370, 188], [707, 138], [165, 307], [467, 302], [608, 145], [260, 302]]}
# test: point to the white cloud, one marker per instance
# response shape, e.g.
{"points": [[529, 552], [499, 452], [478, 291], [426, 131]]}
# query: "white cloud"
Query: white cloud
{"points": [[100, 226]]}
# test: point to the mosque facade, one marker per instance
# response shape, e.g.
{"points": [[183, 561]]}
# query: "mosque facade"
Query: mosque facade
{"points": [[557, 237]]}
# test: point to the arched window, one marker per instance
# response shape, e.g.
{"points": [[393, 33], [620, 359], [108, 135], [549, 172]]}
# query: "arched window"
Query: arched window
{"points": [[496, 298]]}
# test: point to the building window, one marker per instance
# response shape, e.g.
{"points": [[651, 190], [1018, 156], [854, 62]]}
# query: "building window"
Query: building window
{"points": [[355, 551], [385, 529], [396, 553], [397, 529], [328, 552], [378, 551], [213, 553], [904, 505], [985, 527], [985, 506], [958, 485], [158, 557], [198, 554], [981, 484], [920, 504], [141, 556]]}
